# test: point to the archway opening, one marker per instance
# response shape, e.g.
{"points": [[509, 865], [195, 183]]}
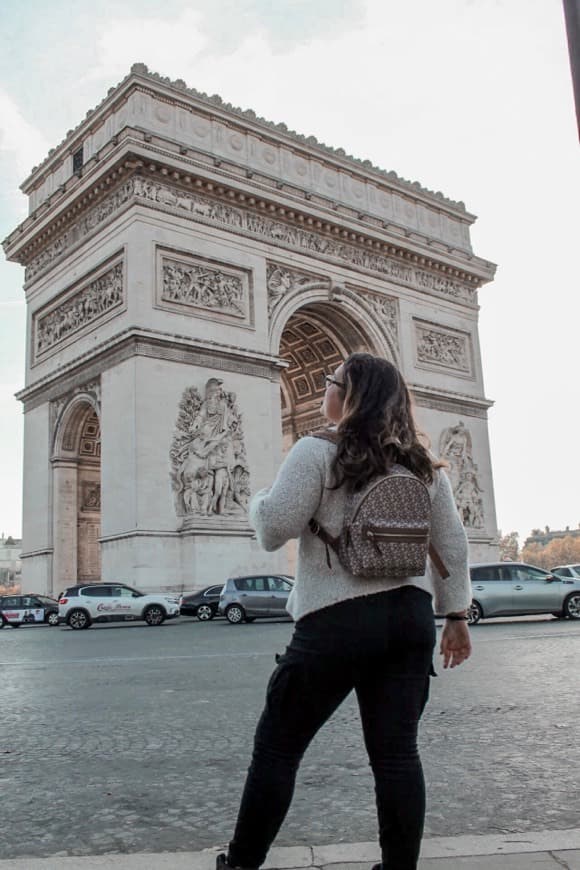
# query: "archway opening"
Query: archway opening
{"points": [[315, 340], [77, 497]]}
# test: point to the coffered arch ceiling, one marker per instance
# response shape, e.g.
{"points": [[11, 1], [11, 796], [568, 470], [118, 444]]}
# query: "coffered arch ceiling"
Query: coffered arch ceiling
{"points": [[315, 340]]}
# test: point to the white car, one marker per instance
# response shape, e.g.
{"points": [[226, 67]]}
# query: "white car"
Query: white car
{"points": [[571, 571], [79, 606]]}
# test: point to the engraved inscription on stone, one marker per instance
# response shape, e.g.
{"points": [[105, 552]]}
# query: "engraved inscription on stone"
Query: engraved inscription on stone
{"points": [[282, 280], [83, 308], [456, 447], [188, 282], [209, 474], [438, 347]]}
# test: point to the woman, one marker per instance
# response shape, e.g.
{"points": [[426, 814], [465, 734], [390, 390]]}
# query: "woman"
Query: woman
{"points": [[375, 636]]}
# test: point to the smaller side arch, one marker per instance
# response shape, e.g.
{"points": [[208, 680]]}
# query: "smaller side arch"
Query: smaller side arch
{"points": [[68, 424]]}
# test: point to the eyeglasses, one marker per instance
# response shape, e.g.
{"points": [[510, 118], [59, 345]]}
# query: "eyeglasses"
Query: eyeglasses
{"points": [[328, 380]]}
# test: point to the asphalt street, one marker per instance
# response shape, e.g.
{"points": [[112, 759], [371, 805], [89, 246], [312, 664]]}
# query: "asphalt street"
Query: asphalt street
{"points": [[128, 738]]}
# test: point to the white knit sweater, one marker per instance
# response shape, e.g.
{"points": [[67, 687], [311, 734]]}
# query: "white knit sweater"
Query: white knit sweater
{"points": [[302, 490]]}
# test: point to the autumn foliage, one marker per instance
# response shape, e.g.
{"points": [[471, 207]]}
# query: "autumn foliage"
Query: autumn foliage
{"points": [[560, 551]]}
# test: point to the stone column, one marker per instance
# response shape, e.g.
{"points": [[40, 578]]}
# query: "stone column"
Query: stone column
{"points": [[65, 513]]}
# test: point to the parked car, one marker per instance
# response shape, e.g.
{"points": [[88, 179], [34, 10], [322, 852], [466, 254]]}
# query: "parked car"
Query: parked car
{"points": [[244, 599], [17, 610], [203, 603], [570, 571], [79, 606], [517, 589]]}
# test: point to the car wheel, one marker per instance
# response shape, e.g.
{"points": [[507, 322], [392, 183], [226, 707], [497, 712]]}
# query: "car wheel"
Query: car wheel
{"points": [[52, 619], [474, 613], [572, 606], [235, 614], [15, 624], [2, 623], [78, 619], [154, 614], [204, 612]]}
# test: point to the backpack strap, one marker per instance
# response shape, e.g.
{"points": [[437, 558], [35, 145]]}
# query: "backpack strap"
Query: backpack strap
{"points": [[325, 537], [438, 562], [326, 435], [314, 526]]}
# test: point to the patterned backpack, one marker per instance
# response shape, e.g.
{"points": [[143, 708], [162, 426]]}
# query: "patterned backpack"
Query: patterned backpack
{"points": [[386, 529]]}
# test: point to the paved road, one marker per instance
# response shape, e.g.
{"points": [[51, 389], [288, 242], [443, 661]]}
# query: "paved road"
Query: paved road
{"points": [[129, 738]]}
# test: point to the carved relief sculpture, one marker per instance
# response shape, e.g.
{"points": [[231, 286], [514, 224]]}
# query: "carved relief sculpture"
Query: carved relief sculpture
{"points": [[387, 309], [456, 447], [280, 281], [91, 496], [442, 347], [204, 286], [154, 193], [80, 310], [209, 468]]}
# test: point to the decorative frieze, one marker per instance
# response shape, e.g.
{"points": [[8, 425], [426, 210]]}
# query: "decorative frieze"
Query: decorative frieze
{"points": [[456, 447], [440, 347], [201, 287], [281, 280], [209, 473], [79, 308], [245, 221]]}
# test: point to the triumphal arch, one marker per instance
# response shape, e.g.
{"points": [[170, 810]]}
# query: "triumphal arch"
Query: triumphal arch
{"points": [[191, 273]]}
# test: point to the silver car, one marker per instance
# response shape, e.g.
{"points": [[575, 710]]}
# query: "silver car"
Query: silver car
{"points": [[244, 599], [572, 571], [517, 589]]}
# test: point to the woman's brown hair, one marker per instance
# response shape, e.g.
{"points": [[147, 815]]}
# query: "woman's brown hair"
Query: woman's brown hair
{"points": [[377, 428]]}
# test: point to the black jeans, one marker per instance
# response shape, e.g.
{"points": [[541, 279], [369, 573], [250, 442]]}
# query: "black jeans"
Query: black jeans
{"points": [[382, 647]]}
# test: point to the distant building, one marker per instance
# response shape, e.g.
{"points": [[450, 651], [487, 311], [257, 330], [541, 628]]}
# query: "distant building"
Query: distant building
{"points": [[10, 564], [545, 537]]}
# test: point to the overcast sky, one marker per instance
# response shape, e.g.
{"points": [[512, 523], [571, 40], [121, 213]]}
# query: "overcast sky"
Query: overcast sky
{"points": [[470, 97]]}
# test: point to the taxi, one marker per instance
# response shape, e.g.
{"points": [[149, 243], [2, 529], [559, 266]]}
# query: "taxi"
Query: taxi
{"points": [[17, 610]]}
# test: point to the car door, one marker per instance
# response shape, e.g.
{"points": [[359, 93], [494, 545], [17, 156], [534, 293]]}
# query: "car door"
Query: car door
{"points": [[279, 591], [125, 603], [12, 609], [253, 595], [33, 609], [532, 592], [492, 588]]}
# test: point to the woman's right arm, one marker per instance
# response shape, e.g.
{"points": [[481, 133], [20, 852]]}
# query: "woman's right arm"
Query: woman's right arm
{"points": [[452, 595]]}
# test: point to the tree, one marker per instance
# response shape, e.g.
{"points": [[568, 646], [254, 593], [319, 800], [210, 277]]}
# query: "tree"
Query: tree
{"points": [[560, 551], [509, 546]]}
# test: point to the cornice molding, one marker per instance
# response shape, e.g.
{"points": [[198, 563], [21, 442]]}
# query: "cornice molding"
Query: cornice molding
{"points": [[122, 187], [156, 345]]}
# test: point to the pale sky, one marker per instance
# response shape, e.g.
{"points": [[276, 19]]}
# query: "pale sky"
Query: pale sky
{"points": [[470, 97]]}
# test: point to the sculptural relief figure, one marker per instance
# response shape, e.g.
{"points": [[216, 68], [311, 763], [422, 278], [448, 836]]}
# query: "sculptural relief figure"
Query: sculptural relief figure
{"points": [[209, 469], [203, 287], [456, 447]]}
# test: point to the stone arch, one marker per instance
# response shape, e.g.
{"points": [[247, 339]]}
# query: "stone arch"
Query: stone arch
{"points": [[313, 329], [76, 472], [348, 309]]}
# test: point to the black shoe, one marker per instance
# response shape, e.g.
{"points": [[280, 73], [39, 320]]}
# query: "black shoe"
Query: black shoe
{"points": [[222, 863]]}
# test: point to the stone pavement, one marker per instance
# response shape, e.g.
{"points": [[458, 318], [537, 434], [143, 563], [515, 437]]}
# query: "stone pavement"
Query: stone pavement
{"points": [[543, 850]]}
